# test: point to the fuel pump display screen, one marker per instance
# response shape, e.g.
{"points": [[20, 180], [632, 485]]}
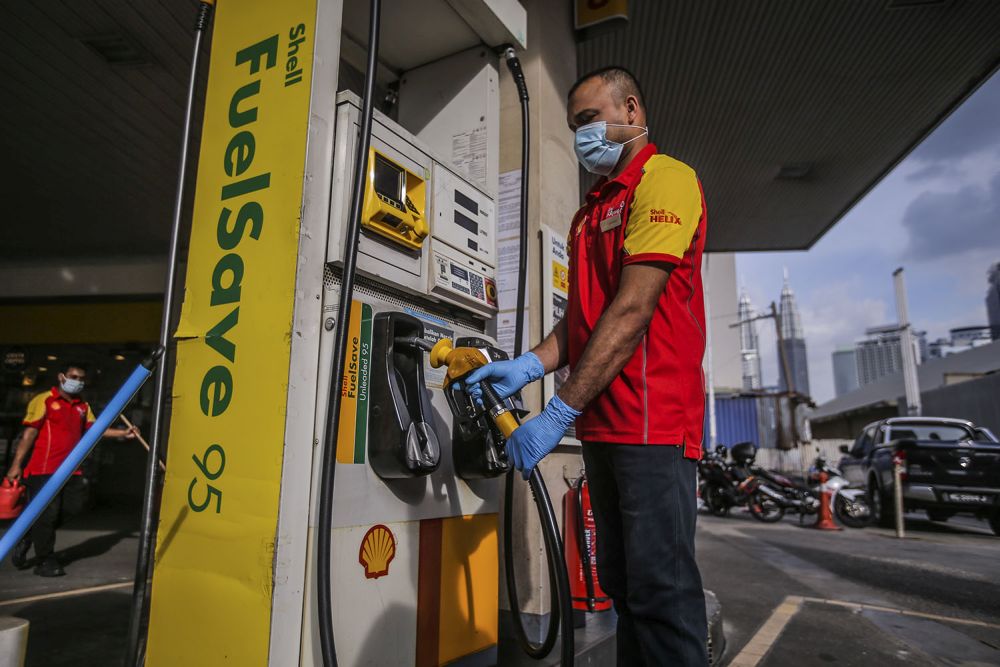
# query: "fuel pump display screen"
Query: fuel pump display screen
{"points": [[388, 179]]}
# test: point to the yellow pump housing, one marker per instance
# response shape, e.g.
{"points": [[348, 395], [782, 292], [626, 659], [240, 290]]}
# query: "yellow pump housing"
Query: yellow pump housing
{"points": [[394, 202]]}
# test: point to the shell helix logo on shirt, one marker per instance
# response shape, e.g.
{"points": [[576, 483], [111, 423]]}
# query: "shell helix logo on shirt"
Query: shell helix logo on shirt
{"points": [[662, 215]]}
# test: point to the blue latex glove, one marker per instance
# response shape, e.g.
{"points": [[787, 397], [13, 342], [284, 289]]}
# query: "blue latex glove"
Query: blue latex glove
{"points": [[507, 377], [539, 435]]}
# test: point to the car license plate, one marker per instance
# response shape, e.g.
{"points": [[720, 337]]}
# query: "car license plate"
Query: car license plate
{"points": [[972, 498]]}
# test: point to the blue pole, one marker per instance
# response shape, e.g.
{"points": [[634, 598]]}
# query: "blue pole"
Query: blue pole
{"points": [[79, 453]]}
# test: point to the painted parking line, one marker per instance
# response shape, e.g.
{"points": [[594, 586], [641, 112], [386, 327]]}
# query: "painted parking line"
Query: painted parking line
{"points": [[66, 594], [761, 643], [904, 612]]}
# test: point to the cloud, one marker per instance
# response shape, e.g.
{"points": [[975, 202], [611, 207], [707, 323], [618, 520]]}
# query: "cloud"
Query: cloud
{"points": [[834, 317], [942, 224], [928, 172], [971, 129]]}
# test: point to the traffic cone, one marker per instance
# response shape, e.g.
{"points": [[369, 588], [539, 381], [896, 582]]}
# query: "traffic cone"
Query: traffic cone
{"points": [[825, 520]]}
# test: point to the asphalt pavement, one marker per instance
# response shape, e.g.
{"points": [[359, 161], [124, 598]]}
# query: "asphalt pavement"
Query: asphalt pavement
{"points": [[80, 619], [793, 595], [790, 595]]}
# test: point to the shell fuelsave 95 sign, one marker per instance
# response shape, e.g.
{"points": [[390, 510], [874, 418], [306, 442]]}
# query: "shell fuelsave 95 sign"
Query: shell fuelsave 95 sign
{"points": [[213, 573]]}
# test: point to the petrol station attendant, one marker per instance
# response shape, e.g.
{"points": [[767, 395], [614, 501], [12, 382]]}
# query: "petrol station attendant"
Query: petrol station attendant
{"points": [[53, 424], [633, 336]]}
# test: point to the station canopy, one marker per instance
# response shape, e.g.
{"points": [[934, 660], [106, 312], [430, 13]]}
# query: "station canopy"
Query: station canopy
{"points": [[790, 111]]}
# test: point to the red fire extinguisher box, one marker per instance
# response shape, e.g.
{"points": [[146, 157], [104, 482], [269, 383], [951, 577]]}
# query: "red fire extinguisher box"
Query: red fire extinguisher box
{"points": [[580, 540]]}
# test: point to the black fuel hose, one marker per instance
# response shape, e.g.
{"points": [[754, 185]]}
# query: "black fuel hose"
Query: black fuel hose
{"points": [[561, 602], [324, 525]]}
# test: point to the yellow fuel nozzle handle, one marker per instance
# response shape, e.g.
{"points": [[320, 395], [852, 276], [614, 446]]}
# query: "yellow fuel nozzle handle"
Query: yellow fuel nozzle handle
{"points": [[460, 362]]}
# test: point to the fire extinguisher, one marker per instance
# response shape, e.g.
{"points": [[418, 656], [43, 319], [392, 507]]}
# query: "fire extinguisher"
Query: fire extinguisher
{"points": [[12, 495], [579, 531]]}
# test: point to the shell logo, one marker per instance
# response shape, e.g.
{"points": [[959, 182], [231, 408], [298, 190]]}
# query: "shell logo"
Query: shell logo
{"points": [[378, 548]]}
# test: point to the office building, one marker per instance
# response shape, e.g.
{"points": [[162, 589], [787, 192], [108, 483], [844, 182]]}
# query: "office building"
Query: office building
{"points": [[993, 300], [879, 354], [845, 371]]}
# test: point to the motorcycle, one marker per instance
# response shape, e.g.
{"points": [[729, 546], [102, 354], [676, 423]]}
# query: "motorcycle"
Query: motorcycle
{"points": [[849, 504], [723, 485], [768, 495], [771, 494]]}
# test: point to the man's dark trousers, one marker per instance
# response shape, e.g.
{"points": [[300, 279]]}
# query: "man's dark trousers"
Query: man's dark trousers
{"points": [[645, 506], [68, 502]]}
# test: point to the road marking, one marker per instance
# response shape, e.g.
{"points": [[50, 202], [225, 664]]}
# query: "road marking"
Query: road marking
{"points": [[903, 612], [66, 594], [761, 643]]}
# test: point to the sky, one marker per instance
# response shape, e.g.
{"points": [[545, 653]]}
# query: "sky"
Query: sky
{"points": [[937, 215]]}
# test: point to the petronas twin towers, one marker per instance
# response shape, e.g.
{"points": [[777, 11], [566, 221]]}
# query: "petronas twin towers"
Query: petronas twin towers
{"points": [[792, 346], [749, 349]]}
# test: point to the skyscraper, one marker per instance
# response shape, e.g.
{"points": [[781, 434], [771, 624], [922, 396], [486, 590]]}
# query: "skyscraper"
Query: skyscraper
{"points": [[879, 353], [749, 350], [993, 300], [845, 371], [794, 343]]}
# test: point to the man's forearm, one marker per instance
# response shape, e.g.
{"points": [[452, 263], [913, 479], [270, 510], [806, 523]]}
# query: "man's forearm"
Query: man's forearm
{"points": [[619, 330], [612, 344], [552, 351], [22, 449]]}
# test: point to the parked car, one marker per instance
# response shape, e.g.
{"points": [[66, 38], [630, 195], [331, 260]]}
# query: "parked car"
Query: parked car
{"points": [[949, 466]]}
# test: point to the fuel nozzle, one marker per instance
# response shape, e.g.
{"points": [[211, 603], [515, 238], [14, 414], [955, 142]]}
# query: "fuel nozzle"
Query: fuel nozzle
{"points": [[415, 341], [460, 361]]}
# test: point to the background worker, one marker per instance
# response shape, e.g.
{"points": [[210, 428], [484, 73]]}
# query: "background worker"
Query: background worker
{"points": [[54, 422], [633, 337]]}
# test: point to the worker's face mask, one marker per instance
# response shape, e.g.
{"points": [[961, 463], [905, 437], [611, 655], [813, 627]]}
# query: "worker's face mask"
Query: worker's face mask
{"points": [[71, 386], [597, 153]]}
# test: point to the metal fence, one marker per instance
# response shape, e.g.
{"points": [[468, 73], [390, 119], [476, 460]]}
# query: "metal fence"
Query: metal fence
{"points": [[798, 460]]}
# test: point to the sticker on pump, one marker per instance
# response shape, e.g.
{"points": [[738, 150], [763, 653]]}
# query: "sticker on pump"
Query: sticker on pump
{"points": [[378, 548]]}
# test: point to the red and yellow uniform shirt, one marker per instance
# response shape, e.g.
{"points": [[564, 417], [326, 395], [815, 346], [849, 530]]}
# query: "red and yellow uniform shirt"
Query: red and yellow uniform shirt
{"points": [[60, 423], [654, 211]]}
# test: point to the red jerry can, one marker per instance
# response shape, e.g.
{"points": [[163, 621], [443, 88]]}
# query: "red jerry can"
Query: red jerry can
{"points": [[580, 540], [11, 498]]}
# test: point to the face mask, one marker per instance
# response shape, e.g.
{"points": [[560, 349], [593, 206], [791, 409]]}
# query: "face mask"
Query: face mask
{"points": [[71, 386], [595, 151]]}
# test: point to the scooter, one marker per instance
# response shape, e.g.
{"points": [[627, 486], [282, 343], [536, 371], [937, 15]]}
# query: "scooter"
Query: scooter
{"points": [[776, 494], [848, 503]]}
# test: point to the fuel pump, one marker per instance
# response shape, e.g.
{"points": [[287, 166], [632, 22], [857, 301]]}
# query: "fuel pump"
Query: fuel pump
{"points": [[397, 188]]}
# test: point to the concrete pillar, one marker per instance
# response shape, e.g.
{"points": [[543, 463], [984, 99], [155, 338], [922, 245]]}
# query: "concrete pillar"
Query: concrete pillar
{"points": [[554, 195], [13, 641]]}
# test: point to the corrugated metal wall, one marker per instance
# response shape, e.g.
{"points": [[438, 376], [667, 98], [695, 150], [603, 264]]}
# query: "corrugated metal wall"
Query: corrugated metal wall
{"points": [[736, 420], [762, 420], [975, 400]]}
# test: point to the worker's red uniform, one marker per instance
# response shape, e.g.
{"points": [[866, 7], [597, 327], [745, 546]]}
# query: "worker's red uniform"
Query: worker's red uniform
{"points": [[654, 211]]}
